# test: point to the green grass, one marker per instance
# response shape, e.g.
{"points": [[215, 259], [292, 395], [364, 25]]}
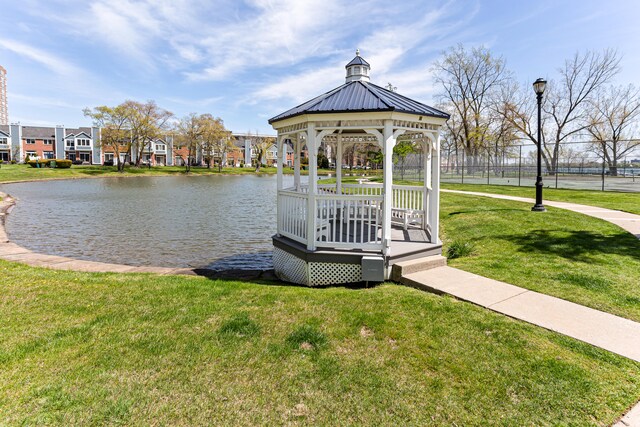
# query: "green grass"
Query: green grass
{"points": [[627, 202], [108, 349], [559, 252], [17, 173]]}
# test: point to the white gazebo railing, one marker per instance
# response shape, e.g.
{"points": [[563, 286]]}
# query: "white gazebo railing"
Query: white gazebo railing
{"points": [[352, 218], [292, 215]]}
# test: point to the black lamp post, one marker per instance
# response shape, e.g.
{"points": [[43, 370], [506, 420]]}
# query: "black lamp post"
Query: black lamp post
{"points": [[539, 87]]}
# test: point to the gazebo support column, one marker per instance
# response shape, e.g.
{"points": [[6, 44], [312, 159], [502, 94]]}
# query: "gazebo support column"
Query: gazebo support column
{"points": [[281, 159], [434, 209], [312, 148], [426, 178], [280, 147], [389, 142], [296, 163], [339, 154]]}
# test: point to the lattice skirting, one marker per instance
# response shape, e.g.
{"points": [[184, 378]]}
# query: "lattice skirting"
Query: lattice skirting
{"points": [[290, 268]]}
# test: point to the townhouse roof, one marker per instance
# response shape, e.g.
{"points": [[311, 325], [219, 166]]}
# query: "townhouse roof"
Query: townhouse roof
{"points": [[38, 132], [77, 131]]}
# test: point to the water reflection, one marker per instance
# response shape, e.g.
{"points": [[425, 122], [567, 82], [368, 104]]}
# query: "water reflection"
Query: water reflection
{"points": [[219, 222]]}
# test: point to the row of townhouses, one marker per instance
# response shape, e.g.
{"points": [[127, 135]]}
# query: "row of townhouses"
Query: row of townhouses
{"points": [[82, 145]]}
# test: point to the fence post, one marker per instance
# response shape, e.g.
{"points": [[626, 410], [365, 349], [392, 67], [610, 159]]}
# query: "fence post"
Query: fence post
{"points": [[603, 172], [519, 164], [488, 164], [557, 170], [462, 165]]}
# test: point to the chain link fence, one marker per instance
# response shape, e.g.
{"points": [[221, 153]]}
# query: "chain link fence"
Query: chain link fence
{"points": [[580, 165]]}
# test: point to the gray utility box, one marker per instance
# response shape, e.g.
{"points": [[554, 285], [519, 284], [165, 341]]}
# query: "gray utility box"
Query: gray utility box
{"points": [[372, 269]]}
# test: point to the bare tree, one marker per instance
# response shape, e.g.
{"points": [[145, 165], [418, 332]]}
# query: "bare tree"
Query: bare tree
{"points": [[565, 104], [568, 101], [470, 81], [613, 123]]}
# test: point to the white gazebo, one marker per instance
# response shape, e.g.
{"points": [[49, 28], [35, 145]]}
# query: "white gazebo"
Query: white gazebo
{"points": [[344, 233]]}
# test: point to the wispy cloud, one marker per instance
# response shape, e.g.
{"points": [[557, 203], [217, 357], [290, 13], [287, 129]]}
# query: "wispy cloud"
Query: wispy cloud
{"points": [[389, 51], [50, 61], [273, 33], [199, 103], [42, 101]]}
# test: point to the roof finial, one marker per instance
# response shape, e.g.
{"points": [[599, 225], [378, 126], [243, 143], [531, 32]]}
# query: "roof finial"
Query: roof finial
{"points": [[357, 52]]}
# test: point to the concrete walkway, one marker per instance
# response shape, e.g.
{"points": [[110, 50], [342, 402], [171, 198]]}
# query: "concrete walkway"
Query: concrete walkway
{"points": [[604, 330], [627, 221], [613, 333]]}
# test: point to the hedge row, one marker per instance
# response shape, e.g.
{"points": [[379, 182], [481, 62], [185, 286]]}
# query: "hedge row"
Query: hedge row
{"points": [[61, 164]]}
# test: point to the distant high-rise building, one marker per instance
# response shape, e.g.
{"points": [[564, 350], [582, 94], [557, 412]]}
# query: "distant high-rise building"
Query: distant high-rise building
{"points": [[4, 110]]}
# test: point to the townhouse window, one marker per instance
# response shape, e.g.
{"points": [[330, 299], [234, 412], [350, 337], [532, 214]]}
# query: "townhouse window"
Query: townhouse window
{"points": [[48, 141], [70, 143], [48, 154], [3, 140], [31, 153], [83, 142], [30, 141]]}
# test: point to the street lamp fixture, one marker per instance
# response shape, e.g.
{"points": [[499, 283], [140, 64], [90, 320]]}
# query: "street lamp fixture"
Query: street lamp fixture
{"points": [[538, 87]]}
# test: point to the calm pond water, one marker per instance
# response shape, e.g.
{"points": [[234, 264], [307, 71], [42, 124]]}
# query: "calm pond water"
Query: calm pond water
{"points": [[218, 222]]}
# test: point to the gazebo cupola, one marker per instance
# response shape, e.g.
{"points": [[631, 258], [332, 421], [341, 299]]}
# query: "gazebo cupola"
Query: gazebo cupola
{"points": [[358, 69], [346, 232]]}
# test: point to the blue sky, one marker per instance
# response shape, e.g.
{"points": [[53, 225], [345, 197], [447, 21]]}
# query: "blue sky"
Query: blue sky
{"points": [[247, 61]]}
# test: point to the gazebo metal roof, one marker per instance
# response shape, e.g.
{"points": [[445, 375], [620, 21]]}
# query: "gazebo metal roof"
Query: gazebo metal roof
{"points": [[359, 96]]}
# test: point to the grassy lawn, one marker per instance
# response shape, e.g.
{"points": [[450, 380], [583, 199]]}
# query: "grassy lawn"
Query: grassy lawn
{"points": [[628, 202], [80, 348], [16, 173], [561, 253]]}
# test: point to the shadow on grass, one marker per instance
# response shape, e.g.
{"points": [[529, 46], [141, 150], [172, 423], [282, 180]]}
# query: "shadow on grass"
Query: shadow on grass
{"points": [[576, 245], [472, 211], [268, 277], [256, 267]]}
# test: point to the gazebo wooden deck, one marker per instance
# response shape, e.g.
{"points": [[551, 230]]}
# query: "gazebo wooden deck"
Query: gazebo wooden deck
{"points": [[343, 233]]}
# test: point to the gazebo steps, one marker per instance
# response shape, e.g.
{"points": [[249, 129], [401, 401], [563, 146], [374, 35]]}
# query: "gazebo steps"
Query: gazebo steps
{"points": [[403, 268]]}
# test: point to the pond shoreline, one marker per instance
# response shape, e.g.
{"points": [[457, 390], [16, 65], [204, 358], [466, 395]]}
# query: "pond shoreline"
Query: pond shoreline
{"points": [[155, 173]]}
